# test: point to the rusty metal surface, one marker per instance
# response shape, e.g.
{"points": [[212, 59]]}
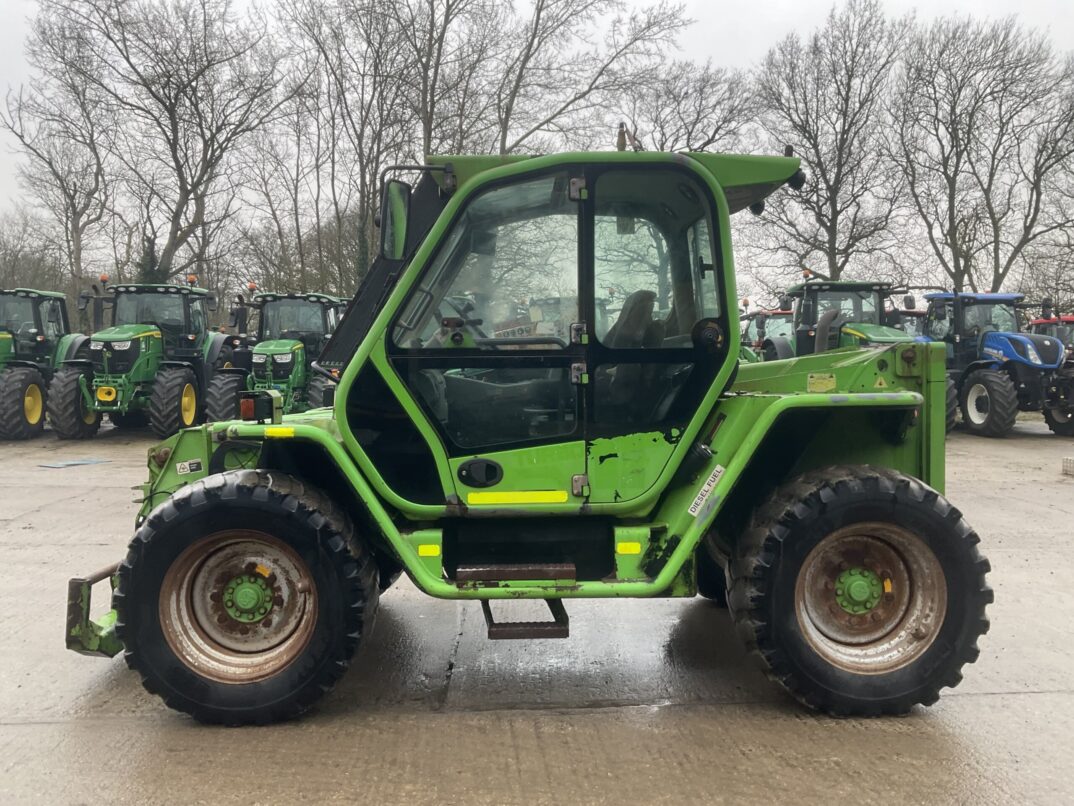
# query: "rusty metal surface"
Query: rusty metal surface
{"points": [[503, 572], [649, 702]]}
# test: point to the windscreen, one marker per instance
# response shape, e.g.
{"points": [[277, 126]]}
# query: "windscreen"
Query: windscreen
{"points": [[164, 309], [853, 306], [16, 313], [290, 318], [1000, 316]]}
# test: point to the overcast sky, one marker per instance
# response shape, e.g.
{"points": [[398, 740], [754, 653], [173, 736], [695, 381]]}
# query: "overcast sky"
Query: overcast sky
{"points": [[732, 34]]}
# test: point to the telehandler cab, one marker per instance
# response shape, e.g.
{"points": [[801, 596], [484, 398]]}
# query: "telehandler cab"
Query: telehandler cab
{"points": [[630, 456]]}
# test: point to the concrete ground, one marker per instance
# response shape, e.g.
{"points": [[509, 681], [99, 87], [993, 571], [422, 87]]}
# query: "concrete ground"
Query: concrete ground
{"points": [[647, 702]]}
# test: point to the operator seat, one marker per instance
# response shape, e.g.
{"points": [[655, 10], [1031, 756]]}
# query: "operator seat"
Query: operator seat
{"points": [[634, 320]]}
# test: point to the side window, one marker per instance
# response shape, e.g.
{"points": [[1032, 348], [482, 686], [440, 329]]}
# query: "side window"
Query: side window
{"points": [[197, 316], [939, 328], [506, 278], [653, 264], [51, 319]]}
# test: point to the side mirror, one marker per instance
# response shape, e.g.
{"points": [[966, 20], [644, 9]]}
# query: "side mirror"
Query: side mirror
{"points": [[394, 211], [83, 300], [762, 320], [908, 302], [236, 319], [211, 303], [1047, 308]]}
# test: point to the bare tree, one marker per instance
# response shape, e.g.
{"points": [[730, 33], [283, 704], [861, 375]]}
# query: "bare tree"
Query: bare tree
{"points": [[983, 129], [188, 81], [824, 97], [65, 131], [679, 105]]}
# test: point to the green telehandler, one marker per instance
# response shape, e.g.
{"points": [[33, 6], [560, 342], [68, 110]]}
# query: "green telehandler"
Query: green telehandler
{"points": [[153, 364], [35, 339], [292, 329], [626, 456]]}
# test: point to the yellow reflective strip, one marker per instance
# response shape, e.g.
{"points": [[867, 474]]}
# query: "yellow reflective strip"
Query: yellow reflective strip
{"points": [[628, 548], [428, 550], [279, 431], [520, 497], [152, 333], [857, 333], [296, 348], [5, 336]]}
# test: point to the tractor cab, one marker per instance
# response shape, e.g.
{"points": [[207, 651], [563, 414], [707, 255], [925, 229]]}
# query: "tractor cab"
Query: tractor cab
{"points": [[1055, 325], [761, 328], [32, 323]]}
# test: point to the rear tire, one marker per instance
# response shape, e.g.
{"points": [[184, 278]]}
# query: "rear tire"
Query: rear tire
{"points": [[1061, 422], [316, 389], [860, 591], [22, 403], [222, 397], [175, 402], [209, 654], [989, 403], [952, 406], [68, 414]]}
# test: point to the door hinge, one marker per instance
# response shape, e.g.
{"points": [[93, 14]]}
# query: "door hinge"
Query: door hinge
{"points": [[579, 374], [578, 334], [580, 485], [576, 190]]}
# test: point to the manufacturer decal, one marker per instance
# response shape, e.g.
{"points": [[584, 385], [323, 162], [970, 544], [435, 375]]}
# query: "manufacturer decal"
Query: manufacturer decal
{"points": [[186, 468], [705, 491], [820, 382]]}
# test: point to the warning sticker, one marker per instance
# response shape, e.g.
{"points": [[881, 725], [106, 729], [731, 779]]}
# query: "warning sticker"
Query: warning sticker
{"points": [[186, 468], [705, 491], [880, 383], [820, 382]]}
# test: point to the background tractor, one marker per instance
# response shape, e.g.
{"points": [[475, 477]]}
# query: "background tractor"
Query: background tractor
{"points": [[627, 455], [35, 339], [154, 363], [759, 328], [292, 329], [998, 371], [1057, 326]]}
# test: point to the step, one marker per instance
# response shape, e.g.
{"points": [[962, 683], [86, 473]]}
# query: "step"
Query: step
{"points": [[559, 627], [505, 572]]}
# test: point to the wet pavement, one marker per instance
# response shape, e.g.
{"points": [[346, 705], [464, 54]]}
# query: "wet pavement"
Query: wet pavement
{"points": [[647, 702]]}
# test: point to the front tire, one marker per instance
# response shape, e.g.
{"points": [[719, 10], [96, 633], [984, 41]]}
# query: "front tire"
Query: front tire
{"points": [[316, 390], [1060, 421], [860, 590], [175, 402], [68, 413], [22, 403], [989, 403], [243, 598], [222, 397]]}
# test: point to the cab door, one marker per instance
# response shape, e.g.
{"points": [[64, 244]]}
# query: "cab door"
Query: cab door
{"points": [[484, 346], [655, 269]]}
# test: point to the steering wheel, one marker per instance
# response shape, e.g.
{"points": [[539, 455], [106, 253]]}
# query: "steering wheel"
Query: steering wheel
{"points": [[470, 324]]}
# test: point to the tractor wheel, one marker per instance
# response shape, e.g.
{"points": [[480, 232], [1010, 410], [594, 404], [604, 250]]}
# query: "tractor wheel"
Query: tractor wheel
{"points": [[952, 406], [132, 419], [222, 397], [1060, 421], [68, 413], [243, 597], [711, 580], [989, 403], [22, 403], [316, 390], [860, 591], [175, 402]]}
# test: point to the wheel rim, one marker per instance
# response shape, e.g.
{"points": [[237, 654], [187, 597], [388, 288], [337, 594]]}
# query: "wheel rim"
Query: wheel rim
{"points": [[977, 404], [1062, 416], [33, 404], [238, 606], [188, 404], [870, 598]]}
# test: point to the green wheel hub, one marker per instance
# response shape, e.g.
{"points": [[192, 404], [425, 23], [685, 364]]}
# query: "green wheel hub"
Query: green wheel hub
{"points": [[248, 598], [858, 590]]}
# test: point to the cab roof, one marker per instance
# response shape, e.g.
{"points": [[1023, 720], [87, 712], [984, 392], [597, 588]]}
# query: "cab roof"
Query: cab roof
{"points": [[175, 288], [948, 296], [838, 285], [745, 178], [31, 292], [268, 296]]}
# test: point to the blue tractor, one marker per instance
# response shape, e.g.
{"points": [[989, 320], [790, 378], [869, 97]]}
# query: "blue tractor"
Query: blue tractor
{"points": [[996, 370]]}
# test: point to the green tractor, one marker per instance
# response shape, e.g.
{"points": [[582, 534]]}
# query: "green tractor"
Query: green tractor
{"points": [[630, 456], [35, 339], [292, 330], [153, 364]]}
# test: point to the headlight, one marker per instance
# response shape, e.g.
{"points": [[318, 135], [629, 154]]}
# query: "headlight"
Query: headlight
{"points": [[1032, 354], [282, 358], [259, 358], [121, 345], [96, 345]]}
